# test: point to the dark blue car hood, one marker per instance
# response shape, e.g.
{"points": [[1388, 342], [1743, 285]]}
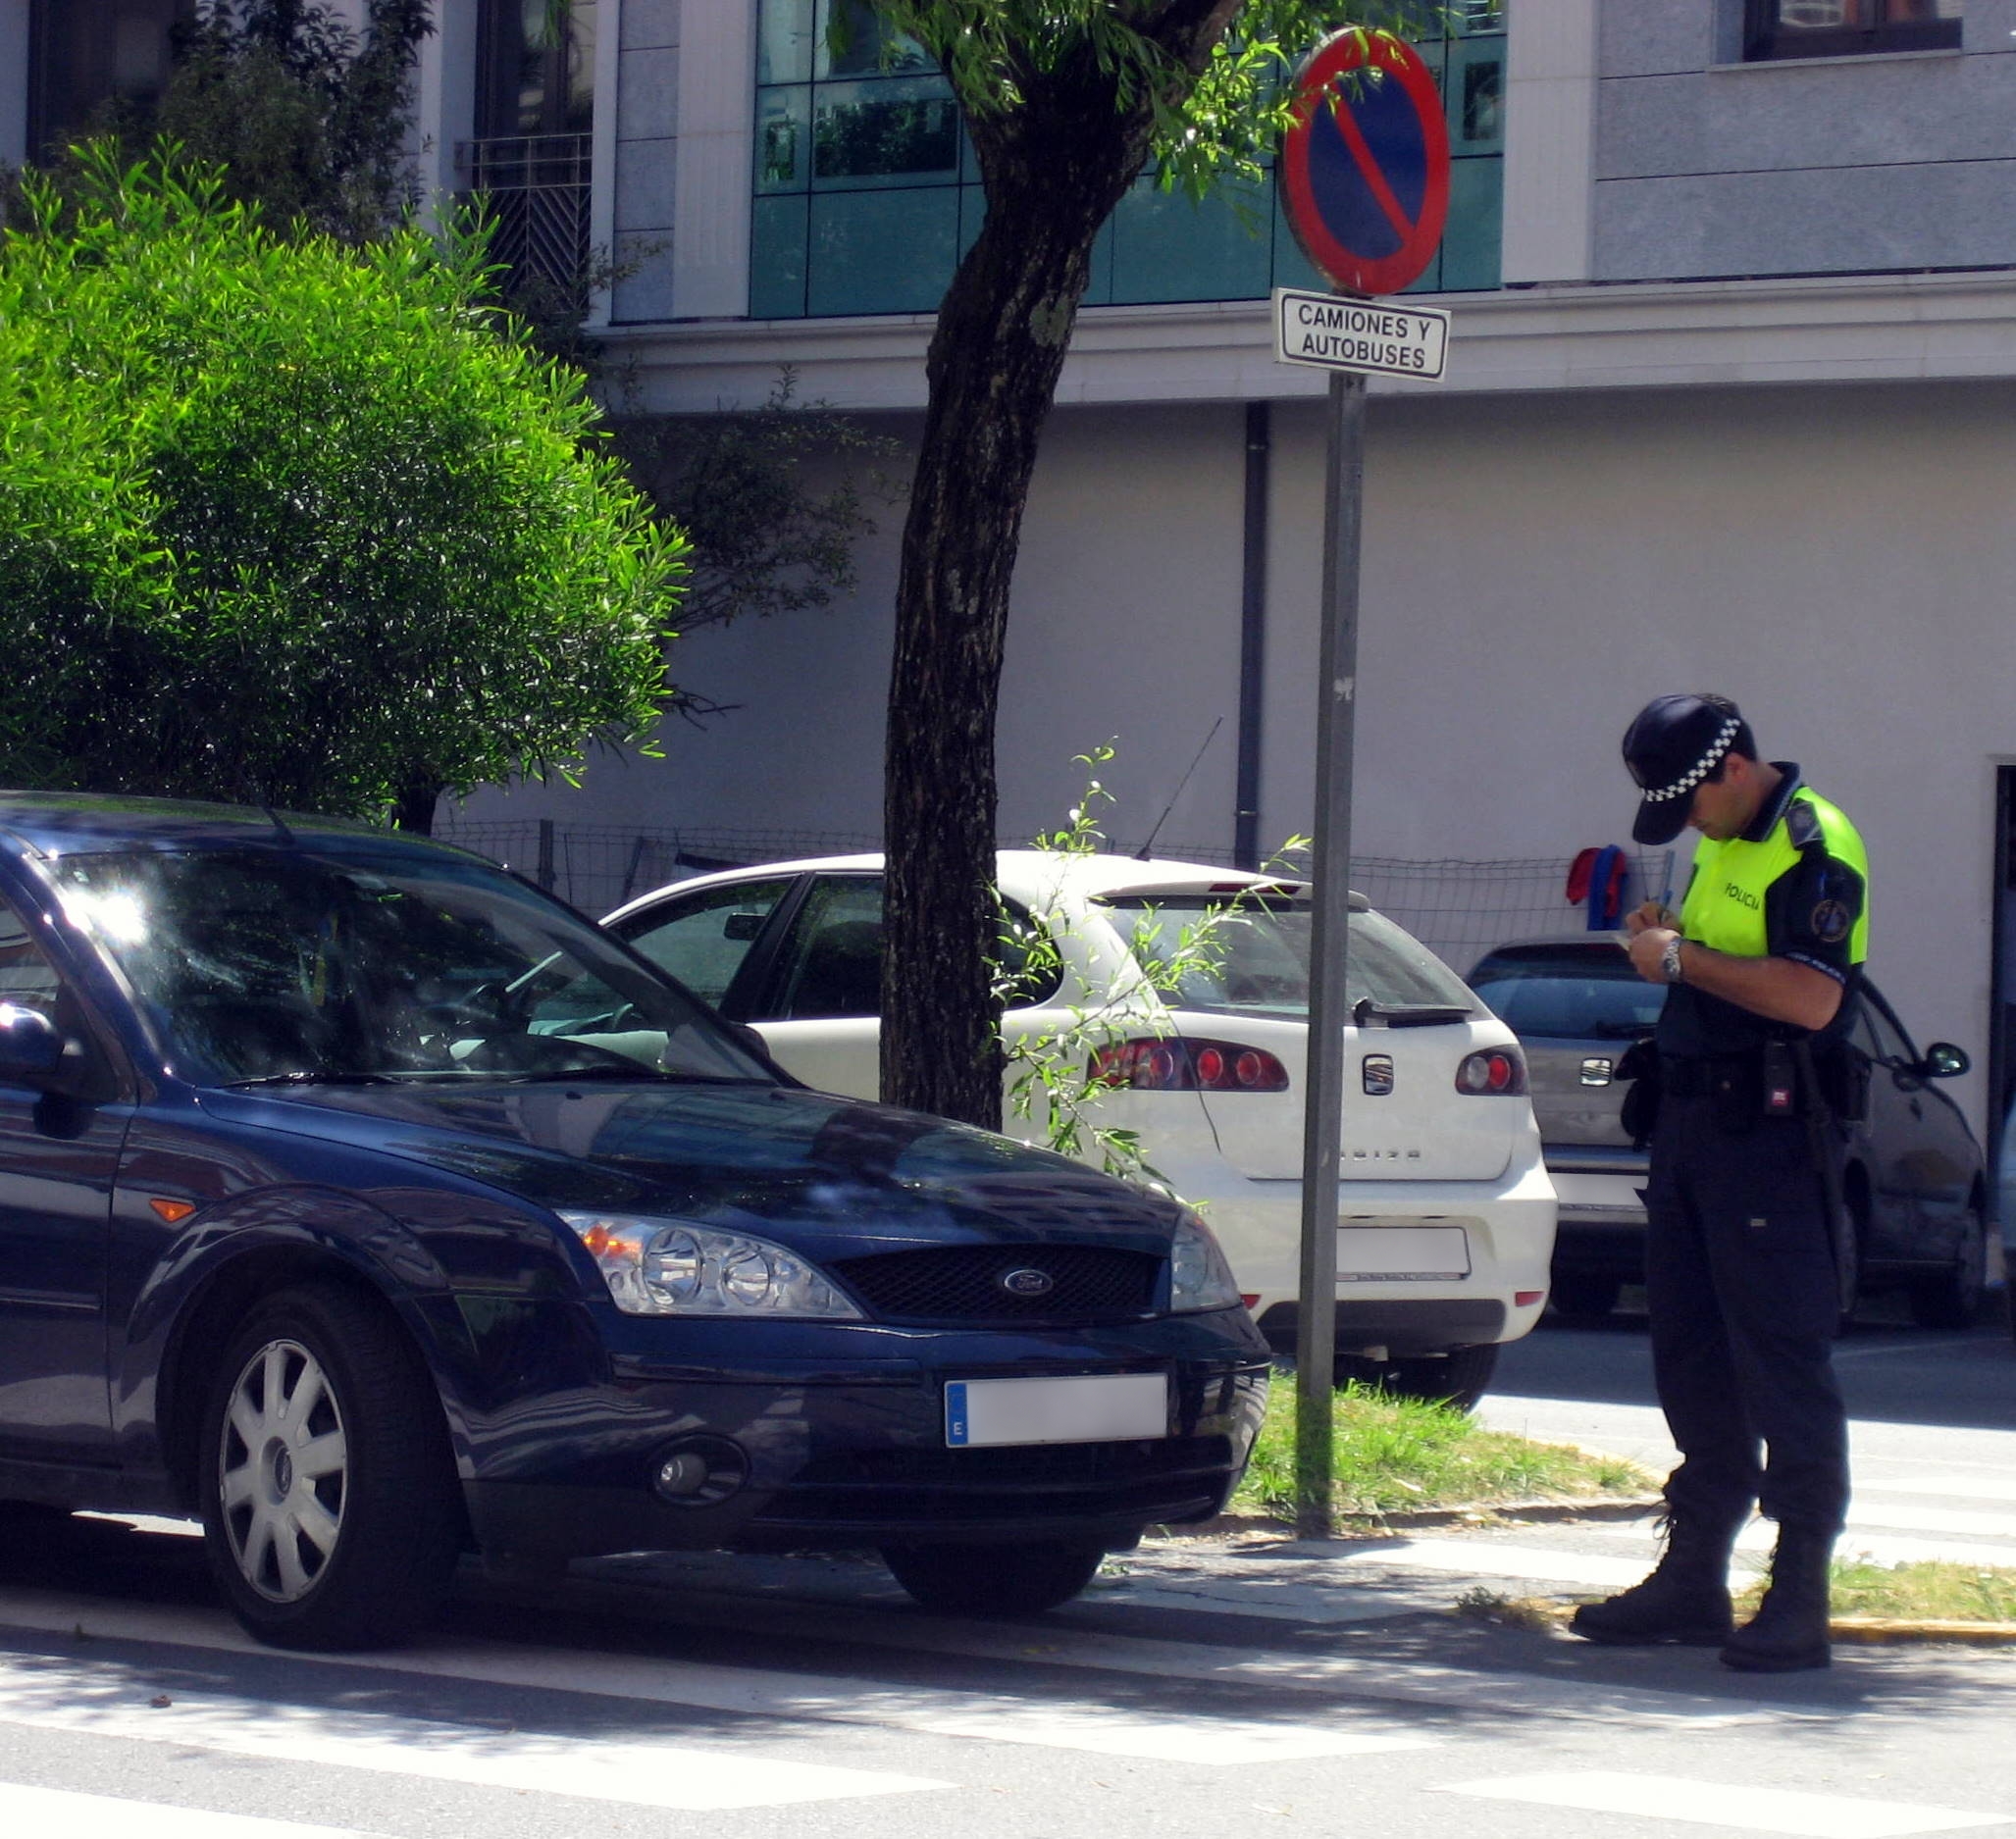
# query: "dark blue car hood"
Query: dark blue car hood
{"points": [[797, 1165]]}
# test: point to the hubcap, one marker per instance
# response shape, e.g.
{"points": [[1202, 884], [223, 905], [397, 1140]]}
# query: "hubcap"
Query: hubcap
{"points": [[281, 1464]]}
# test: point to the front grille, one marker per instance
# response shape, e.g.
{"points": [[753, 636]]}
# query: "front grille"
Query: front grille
{"points": [[1153, 1480], [963, 1284]]}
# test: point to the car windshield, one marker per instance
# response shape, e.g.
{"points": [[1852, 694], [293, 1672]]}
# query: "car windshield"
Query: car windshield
{"points": [[1568, 993], [1252, 957], [285, 966]]}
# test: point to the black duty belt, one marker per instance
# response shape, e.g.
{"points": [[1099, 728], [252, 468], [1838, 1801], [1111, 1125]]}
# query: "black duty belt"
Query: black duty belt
{"points": [[1702, 1076]]}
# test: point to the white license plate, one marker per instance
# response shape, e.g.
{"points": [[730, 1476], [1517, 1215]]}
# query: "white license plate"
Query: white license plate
{"points": [[1093, 1408], [1386, 1255]]}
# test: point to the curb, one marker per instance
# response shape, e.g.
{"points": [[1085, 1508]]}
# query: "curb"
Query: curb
{"points": [[1867, 1631], [1407, 1519]]}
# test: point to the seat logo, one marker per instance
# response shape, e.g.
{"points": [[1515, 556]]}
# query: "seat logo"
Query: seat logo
{"points": [[1027, 1283], [1379, 1074]]}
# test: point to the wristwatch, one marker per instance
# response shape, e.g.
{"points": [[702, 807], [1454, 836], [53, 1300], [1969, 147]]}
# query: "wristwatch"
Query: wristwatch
{"points": [[1670, 960]]}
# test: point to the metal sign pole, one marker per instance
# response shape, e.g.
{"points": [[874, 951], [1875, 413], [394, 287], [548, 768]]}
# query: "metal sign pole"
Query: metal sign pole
{"points": [[1316, 1318]]}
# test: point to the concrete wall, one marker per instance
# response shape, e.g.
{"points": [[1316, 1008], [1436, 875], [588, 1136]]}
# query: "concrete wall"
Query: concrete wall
{"points": [[1706, 166], [1836, 558]]}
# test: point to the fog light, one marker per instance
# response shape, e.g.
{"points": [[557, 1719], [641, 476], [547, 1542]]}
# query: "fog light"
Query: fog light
{"points": [[684, 1474], [699, 1471], [1526, 1298]]}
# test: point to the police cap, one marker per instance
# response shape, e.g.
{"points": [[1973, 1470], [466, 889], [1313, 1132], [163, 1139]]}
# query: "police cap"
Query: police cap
{"points": [[1671, 746]]}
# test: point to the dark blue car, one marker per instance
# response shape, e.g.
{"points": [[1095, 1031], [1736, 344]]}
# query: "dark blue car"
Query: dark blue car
{"points": [[363, 1200]]}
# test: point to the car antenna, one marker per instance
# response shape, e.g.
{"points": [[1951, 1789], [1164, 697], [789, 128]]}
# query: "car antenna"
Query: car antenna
{"points": [[278, 822], [1141, 855]]}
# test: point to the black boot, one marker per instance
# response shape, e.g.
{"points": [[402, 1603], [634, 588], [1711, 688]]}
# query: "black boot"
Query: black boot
{"points": [[1684, 1601], [1789, 1632]]}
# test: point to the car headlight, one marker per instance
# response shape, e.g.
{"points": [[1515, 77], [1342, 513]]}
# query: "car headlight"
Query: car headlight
{"points": [[1199, 1276], [667, 1267]]}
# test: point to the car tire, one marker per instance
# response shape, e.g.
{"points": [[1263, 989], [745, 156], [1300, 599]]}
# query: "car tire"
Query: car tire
{"points": [[1459, 1378], [1585, 1296], [330, 1515], [1953, 1299], [992, 1579]]}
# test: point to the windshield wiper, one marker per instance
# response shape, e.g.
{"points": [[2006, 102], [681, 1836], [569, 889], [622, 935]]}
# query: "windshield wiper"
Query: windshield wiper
{"points": [[1406, 1014], [302, 1077]]}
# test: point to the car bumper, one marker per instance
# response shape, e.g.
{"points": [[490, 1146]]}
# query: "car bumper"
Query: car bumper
{"points": [[830, 1459], [1507, 1227], [1602, 1225]]}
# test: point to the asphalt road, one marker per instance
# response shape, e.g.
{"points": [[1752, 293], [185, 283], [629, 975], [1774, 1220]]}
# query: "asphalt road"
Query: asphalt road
{"points": [[1249, 1685]]}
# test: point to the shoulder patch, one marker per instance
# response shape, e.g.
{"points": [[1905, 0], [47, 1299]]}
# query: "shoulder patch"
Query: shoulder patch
{"points": [[1830, 921], [1802, 825]]}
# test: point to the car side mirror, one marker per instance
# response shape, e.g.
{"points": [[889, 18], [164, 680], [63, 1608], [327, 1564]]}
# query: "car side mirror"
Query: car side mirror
{"points": [[1943, 1060], [30, 1047]]}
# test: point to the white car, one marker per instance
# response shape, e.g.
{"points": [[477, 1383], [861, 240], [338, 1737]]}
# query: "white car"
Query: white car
{"points": [[1446, 1215]]}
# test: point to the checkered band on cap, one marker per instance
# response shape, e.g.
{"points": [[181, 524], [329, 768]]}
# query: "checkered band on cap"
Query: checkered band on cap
{"points": [[1701, 768]]}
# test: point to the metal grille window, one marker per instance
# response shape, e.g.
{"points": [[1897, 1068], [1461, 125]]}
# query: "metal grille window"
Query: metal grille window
{"points": [[537, 190], [535, 111], [1831, 28]]}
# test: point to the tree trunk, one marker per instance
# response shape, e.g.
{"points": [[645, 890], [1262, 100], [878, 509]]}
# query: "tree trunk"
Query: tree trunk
{"points": [[414, 807], [1054, 169]]}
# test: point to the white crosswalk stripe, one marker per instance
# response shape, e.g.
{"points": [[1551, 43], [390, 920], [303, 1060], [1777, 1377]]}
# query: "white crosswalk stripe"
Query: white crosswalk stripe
{"points": [[1332, 1678], [32, 1812], [61, 1696], [1744, 1806]]}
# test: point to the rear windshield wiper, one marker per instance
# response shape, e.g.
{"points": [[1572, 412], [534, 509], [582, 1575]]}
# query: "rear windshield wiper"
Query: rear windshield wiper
{"points": [[1364, 1012]]}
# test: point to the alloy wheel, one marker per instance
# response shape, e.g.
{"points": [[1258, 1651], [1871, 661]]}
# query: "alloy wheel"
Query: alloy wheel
{"points": [[283, 1462]]}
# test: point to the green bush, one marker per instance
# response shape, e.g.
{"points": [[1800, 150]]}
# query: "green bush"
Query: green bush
{"points": [[297, 524]]}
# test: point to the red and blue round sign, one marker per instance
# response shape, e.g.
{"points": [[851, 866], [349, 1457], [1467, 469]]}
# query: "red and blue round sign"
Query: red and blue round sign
{"points": [[1365, 167]]}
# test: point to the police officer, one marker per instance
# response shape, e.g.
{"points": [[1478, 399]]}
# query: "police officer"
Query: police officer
{"points": [[1749, 1081]]}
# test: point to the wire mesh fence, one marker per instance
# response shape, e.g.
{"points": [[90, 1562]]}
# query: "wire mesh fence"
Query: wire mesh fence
{"points": [[1458, 909]]}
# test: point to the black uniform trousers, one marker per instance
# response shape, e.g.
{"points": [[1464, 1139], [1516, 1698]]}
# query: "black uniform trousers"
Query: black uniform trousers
{"points": [[1741, 1291]]}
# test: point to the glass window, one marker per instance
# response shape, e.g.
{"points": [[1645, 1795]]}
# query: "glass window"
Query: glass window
{"points": [[831, 962], [85, 59], [1568, 993], [538, 62], [882, 251], [1168, 246], [702, 938], [783, 139], [888, 132], [27, 978], [877, 116], [1256, 957], [1890, 1042], [325, 964], [868, 45], [1828, 28]]}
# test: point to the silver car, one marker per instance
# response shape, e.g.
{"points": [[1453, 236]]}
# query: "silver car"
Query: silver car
{"points": [[1913, 1182]]}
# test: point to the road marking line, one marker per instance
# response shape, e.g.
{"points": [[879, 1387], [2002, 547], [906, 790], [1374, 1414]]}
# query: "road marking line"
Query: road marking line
{"points": [[1955, 1487], [104, 1702], [1065, 1724], [1718, 1804], [28, 1813]]}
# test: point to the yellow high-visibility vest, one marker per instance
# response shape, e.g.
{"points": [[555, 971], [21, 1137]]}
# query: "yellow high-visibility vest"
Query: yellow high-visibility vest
{"points": [[1725, 907]]}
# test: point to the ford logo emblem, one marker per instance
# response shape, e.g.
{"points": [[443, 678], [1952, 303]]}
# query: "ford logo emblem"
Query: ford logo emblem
{"points": [[1027, 1283]]}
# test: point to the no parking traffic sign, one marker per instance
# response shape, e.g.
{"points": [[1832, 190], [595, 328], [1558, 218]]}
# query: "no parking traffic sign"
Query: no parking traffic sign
{"points": [[1365, 164]]}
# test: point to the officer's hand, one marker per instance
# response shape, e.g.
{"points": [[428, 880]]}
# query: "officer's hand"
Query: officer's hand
{"points": [[1648, 945], [1650, 914]]}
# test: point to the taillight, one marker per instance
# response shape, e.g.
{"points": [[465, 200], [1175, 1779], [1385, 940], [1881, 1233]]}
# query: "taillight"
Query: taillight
{"points": [[1173, 1065], [1495, 1073]]}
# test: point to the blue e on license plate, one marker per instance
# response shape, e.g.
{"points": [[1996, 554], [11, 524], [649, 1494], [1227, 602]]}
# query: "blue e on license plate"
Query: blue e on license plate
{"points": [[1092, 1407]]}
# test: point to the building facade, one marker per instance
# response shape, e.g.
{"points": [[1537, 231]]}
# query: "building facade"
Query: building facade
{"points": [[1730, 403]]}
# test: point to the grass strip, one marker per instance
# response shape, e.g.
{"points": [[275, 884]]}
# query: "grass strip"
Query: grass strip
{"points": [[1393, 1455], [1929, 1590]]}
